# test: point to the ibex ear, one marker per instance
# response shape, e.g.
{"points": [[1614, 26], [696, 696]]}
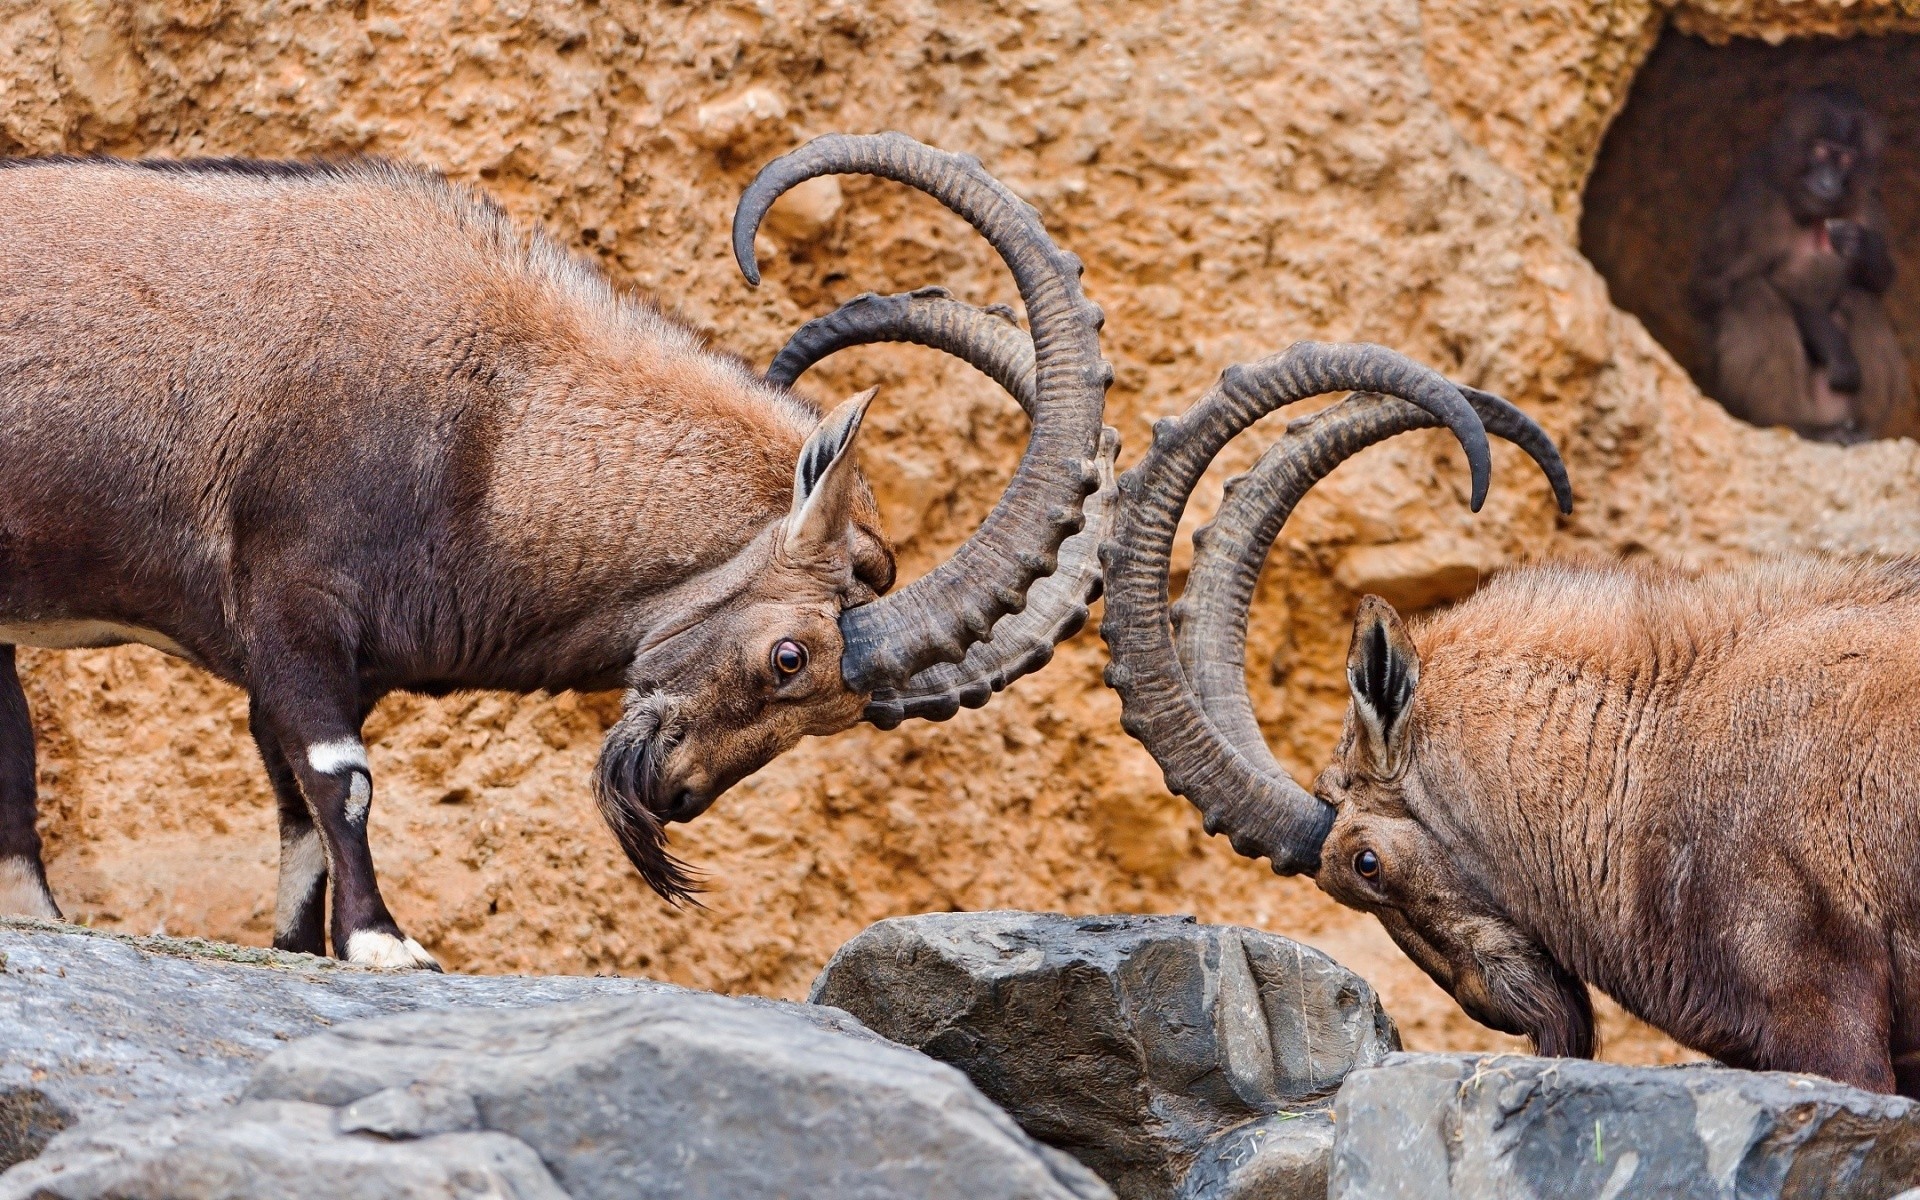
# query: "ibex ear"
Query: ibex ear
{"points": [[824, 482], [1382, 670]]}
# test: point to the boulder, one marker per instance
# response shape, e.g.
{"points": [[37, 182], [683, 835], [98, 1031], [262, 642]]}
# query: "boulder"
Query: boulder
{"points": [[1281, 1157], [685, 1095], [275, 1151], [1132, 1042], [1493, 1127], [96, 1026]]}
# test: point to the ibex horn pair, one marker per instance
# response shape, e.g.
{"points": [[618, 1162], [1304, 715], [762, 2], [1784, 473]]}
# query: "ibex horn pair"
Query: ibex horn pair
{"points": [[1181, 673], [982, 607], [941, 617]]}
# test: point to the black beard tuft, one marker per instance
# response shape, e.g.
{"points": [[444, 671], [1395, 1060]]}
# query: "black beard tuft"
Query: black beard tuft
{"points": [[1552, 1006], [626, 778]]}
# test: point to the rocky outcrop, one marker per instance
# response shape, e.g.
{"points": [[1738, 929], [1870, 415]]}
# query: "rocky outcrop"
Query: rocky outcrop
{"points": [[94, 1026], [1474, 1127], [475, 1087], [1181, 1061], [276, 1151], [680, 1094], [1167, 1055]]}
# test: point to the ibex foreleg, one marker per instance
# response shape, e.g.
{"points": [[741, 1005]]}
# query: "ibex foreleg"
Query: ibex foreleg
{"points": [[23, 881], [309, 713]]}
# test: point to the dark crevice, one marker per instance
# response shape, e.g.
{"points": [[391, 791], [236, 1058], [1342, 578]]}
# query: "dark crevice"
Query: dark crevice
{"points": [[1694, 112]]}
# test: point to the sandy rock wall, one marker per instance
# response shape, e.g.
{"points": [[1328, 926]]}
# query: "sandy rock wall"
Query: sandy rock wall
{"points": [[1236, 176]]}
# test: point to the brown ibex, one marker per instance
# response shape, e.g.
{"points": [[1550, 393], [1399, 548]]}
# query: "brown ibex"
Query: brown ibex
{"points": [[1692, 793], [1695, 794], [332, 430]]}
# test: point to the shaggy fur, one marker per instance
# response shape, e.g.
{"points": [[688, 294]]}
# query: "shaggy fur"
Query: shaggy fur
{"points": [[1694, 794], [332, 430]]}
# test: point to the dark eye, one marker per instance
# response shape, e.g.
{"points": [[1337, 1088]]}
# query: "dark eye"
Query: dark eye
{"points": [[1366, 864], [789, 656]]}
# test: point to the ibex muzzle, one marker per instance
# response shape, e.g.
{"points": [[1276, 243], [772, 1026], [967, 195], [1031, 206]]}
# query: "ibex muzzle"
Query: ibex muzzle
{"points": [[335, 430]]}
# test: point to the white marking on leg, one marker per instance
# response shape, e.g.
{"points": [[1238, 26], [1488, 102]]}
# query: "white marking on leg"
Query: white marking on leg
{"points": [[303, 864], [21, 892], [359, 796], [341, 754], [375, 949]]}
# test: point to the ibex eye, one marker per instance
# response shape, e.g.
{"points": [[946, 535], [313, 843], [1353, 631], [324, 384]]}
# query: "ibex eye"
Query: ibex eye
{"points": [[789, 656], [1367, 864]]}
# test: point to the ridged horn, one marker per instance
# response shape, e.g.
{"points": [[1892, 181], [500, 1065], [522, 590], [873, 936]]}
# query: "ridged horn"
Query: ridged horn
{"points": [[1210, 619], [1022, 642], [1057, 606], [1263, 812], [987, 339], [939, 616]]}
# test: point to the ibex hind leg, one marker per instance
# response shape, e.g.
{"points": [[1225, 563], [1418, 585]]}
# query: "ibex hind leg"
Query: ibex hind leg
{"points": [[306, 714], [23, 880]]}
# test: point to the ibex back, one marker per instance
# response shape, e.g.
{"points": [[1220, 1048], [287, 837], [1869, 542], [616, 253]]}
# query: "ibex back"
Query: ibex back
{"points": [[329, 431]]}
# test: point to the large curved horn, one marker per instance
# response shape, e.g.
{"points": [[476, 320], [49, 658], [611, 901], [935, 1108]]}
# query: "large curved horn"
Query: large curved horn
{"points": [[942, 614], [987, 339], [1057, 606], [1022, 642], [1263, 812], [1210, 619]]}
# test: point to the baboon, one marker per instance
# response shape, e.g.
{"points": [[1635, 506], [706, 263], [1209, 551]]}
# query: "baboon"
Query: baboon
{"points": [[1788, 280]]}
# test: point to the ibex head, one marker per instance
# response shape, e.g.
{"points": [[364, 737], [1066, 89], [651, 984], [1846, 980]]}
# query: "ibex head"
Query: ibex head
{"points": [[1396, 849], [793, 635], [1182, 674]]}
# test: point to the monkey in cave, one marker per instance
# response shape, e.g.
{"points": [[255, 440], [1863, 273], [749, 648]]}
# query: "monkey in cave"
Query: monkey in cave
{"points": [[1789, 280]]}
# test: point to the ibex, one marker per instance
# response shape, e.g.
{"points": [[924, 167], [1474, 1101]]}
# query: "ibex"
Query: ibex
{"points": [[1695, 794], [1692, 793], [332, 430]]}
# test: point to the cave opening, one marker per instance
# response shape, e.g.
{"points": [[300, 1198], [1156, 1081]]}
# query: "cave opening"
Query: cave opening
{"points": [[1694, 113]]}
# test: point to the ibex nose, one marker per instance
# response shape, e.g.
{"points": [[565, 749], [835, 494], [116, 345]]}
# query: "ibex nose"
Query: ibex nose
{"points": [[685, 805]]}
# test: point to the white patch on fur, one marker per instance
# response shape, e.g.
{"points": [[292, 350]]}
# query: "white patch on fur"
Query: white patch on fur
{"points": [[21, 892], [301, 863], [372, 948], [1372, 729], [359, 796], [85, 635], [341, 754]]}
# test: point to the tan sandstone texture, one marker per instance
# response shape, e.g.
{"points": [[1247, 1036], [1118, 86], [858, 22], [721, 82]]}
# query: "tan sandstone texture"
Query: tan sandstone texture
{"points": [[1236, 175]]}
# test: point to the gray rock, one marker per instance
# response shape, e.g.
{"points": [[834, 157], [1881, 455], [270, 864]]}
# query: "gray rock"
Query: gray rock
{"points": [[96, 1026], [275, 1151], [415, 1111], [1128, 1041], [1282, 1157], [686, 1095], [1445, 1126]]}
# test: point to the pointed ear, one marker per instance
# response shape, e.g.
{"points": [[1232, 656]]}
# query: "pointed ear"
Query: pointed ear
{"points": [[824, 482], [1382, 670]]}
